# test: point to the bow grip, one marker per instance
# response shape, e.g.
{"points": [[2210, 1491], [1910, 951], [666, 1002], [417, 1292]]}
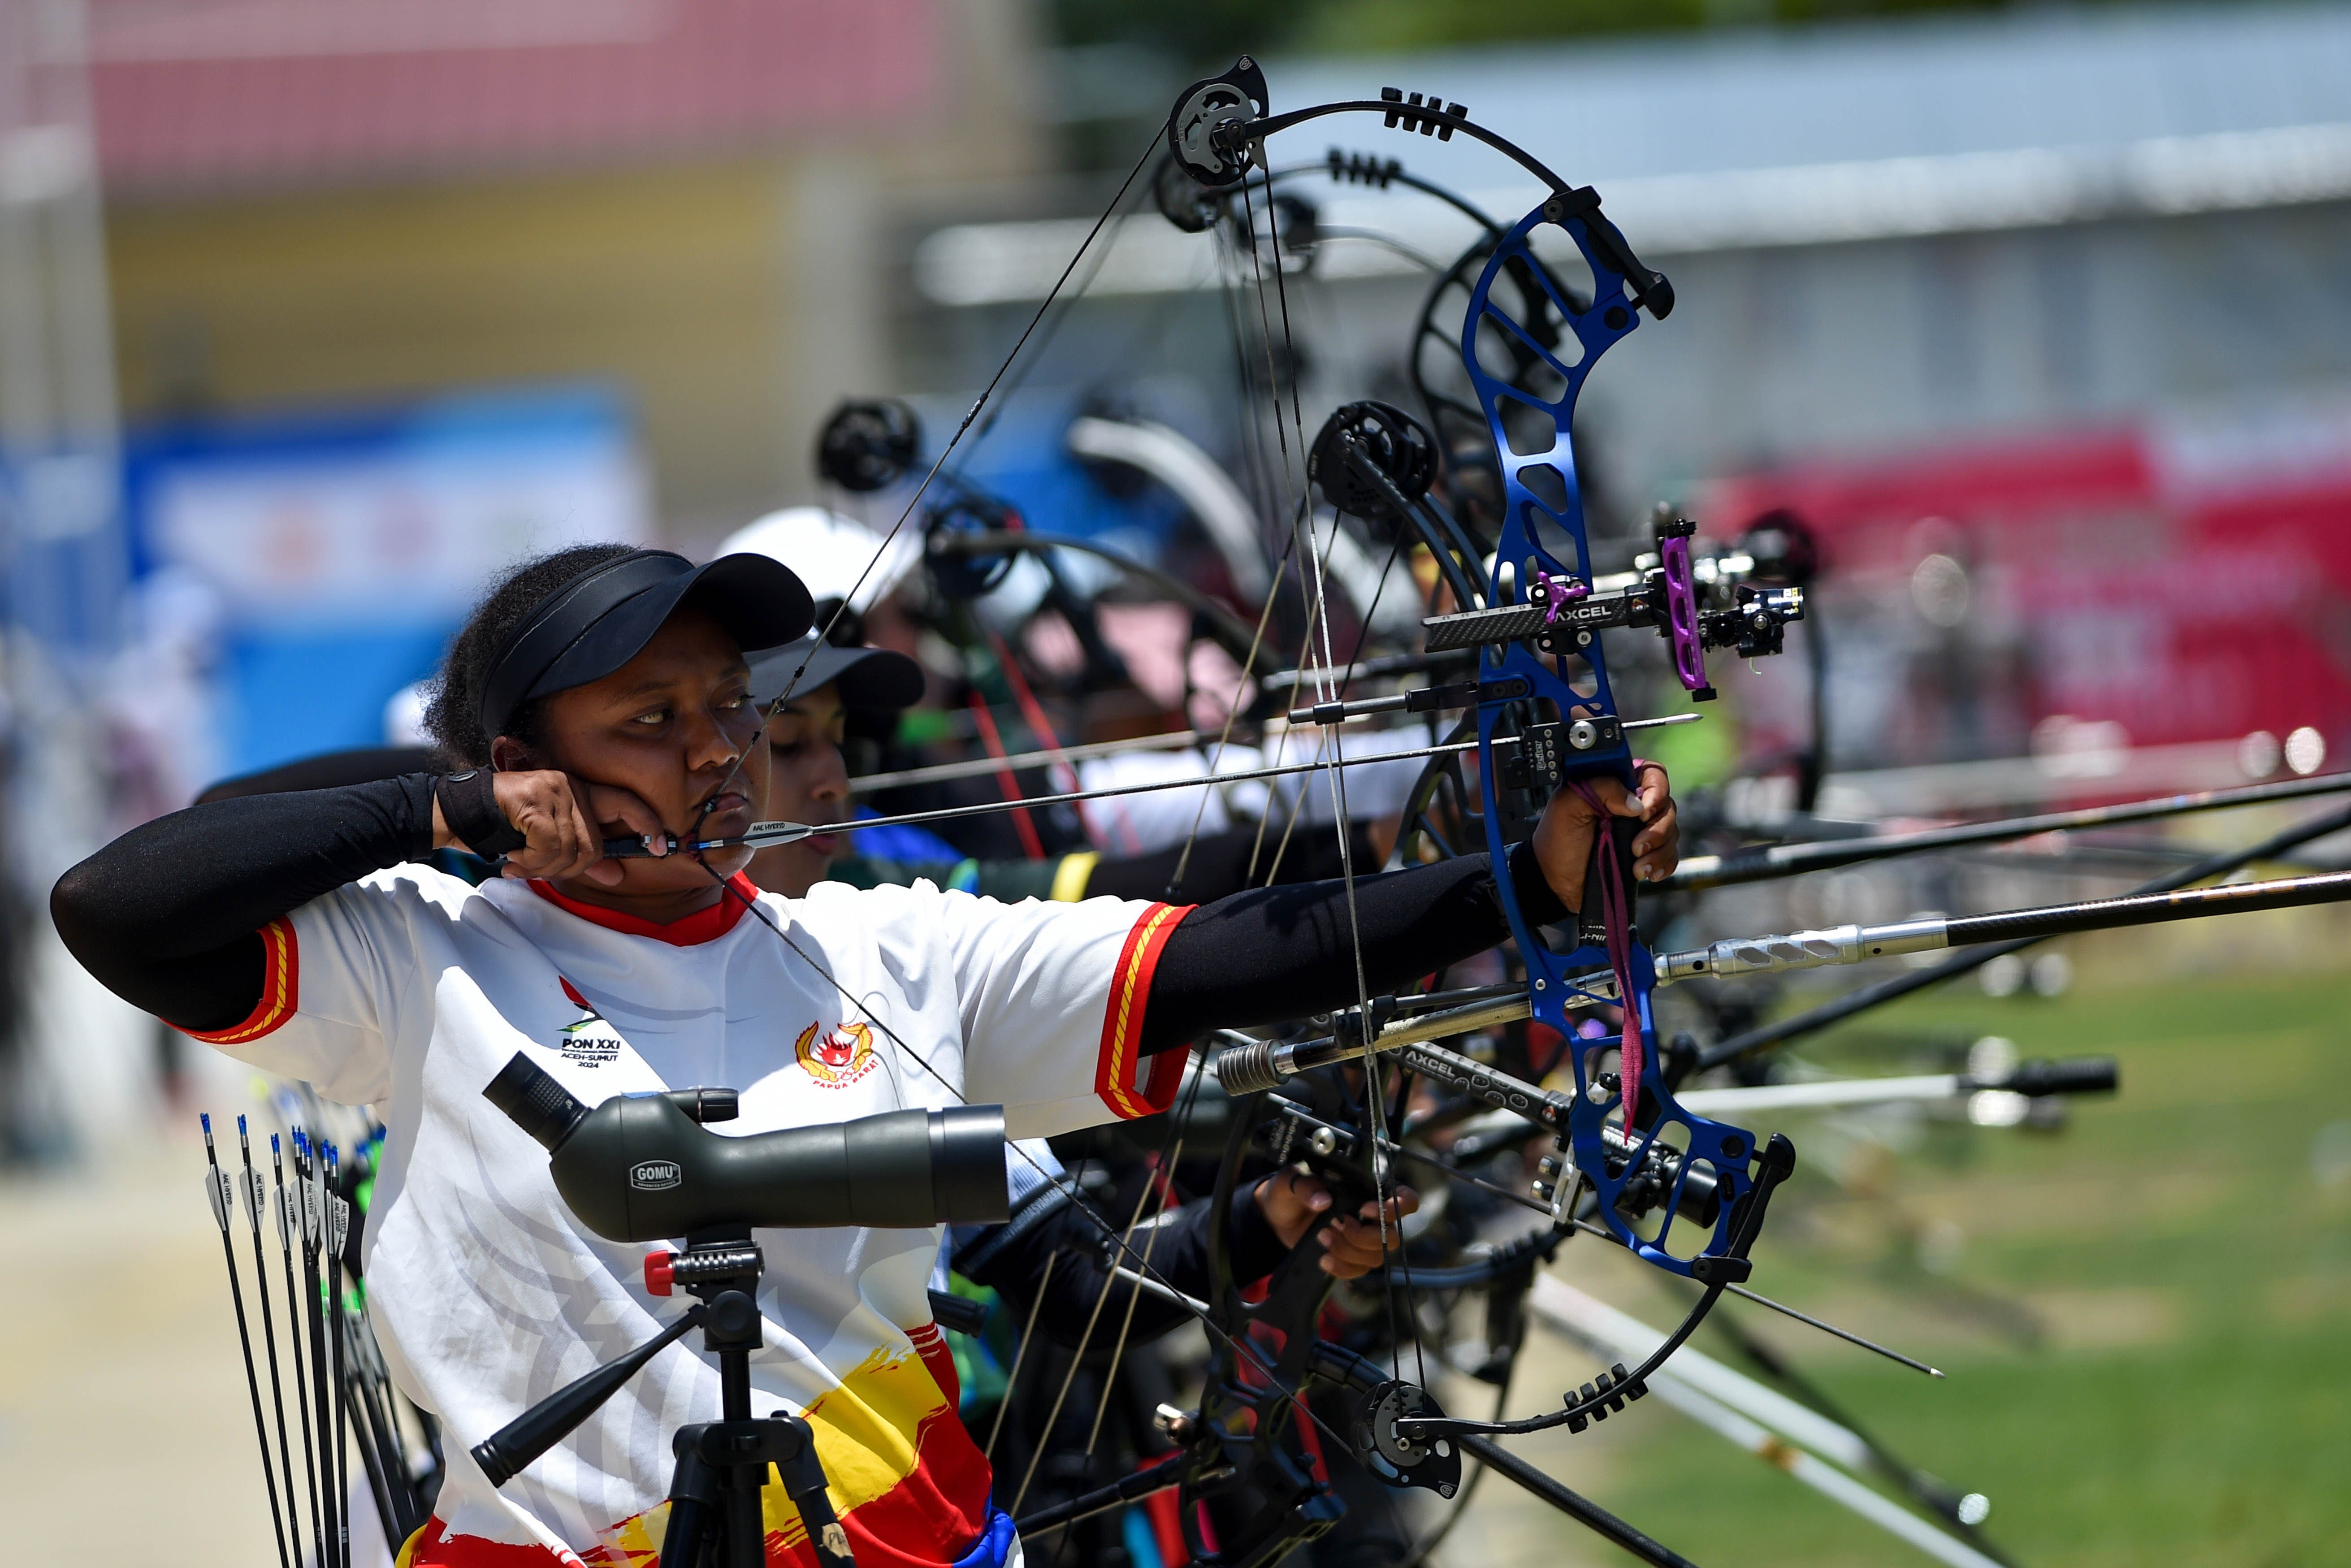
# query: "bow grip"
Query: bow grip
{"points": [[1592, 931], [1337, 1155]]}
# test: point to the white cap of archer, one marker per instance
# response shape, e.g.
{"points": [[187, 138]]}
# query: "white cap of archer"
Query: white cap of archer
{"points": [[831, 552], [404, 716]]}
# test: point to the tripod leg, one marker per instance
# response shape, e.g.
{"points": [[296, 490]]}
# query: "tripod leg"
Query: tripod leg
{"points": [[693, 1496], [745, 1525]]}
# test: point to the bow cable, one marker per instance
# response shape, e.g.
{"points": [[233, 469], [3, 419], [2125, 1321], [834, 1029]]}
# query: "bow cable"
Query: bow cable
{"points": [[1374, 1092], [769, 710], [1300, 513]]}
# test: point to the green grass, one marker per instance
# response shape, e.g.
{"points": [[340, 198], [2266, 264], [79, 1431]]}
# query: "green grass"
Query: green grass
{"points": [[2189, 1258]]}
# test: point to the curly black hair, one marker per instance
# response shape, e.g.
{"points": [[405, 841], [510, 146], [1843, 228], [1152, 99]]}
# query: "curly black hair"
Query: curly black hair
{"points": [[454, 713]]}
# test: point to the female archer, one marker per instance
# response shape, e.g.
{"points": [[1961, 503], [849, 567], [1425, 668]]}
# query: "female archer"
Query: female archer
{"points": [[602, 692]]}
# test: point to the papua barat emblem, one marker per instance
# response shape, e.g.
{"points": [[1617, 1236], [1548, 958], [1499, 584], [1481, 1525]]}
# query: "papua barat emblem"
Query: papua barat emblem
{"points": [[836, 1057], [591, 1042]]}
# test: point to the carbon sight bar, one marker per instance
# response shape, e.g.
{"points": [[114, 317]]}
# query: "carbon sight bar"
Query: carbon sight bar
{"points": [[1458, 695]]}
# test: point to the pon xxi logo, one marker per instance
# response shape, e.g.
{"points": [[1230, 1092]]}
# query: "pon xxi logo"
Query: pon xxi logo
{"points": [[591, 1042]]}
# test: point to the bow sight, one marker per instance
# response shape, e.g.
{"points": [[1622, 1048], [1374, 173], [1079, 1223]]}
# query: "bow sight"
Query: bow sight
{"points": [[1562, 615]]}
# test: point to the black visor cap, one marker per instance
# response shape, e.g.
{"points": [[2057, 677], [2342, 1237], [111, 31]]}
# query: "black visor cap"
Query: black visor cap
{"points": [[865, 677], [604, 618]]}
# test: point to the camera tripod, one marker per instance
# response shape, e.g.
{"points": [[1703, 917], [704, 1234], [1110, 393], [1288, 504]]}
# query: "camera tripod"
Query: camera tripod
{"points": [[715, 1515]]}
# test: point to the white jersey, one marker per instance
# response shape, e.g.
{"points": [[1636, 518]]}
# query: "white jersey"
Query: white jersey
{"points": [[408, 991]]}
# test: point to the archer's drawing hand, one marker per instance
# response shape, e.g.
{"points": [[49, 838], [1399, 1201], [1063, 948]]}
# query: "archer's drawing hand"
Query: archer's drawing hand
{"points": [[1563, 838], [565, 819], [1291, 1201]]}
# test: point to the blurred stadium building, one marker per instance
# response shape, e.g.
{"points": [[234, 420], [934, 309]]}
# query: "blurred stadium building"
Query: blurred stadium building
{"points": [[686, 199], [2043, 305]]}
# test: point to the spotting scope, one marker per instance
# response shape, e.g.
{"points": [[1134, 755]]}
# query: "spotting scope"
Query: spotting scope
{"points": [[642, 1167]]}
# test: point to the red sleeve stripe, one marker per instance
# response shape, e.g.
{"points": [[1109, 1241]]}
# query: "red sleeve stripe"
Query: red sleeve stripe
{"points": [[1123, 1021], [281, 976]]}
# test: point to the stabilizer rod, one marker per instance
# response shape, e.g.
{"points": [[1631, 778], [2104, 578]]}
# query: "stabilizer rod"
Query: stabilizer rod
{"points": [[1266, 1063]]}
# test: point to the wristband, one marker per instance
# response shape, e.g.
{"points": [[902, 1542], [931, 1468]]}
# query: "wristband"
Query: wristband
{"points": [[469, 804]]}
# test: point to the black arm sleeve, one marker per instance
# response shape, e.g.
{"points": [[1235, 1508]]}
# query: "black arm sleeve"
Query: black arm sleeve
{"points": [[1060, 1226], [168, 915], [329, 770], [1275, 953]]}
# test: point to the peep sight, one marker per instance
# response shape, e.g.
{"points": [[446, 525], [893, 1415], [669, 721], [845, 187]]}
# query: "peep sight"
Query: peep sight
{"points": [[640, 1167]]}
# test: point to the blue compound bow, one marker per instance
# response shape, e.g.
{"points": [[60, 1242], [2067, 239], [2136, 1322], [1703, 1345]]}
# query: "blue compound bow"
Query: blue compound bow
{"points": [[1548, 720], [1543, 683]]}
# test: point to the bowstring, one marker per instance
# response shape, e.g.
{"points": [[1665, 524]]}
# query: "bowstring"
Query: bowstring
{"points": [[1078, 1356], [1374, 1096], [1171, 1154], [769, 711], [1232, 713], [1372, 1091], [1319, 623], [1281, 750], [1252, 443], [1160, 1178], [1019, 1352]]}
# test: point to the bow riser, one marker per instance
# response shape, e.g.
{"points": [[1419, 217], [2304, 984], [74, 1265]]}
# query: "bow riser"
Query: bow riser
{"points": [[1543, 559]]}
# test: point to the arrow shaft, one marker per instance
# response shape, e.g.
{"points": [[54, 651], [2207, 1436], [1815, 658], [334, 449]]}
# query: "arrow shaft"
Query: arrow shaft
{"points": [[1817, 1019], [1701, 872], [763, 835]]}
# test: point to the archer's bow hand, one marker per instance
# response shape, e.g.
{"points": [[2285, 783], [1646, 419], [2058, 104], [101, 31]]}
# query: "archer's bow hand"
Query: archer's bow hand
{"points": [[1563, 838]]}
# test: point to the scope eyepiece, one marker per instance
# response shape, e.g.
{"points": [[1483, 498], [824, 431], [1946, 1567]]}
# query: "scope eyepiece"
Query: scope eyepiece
{"points": [[539, 1104]]}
